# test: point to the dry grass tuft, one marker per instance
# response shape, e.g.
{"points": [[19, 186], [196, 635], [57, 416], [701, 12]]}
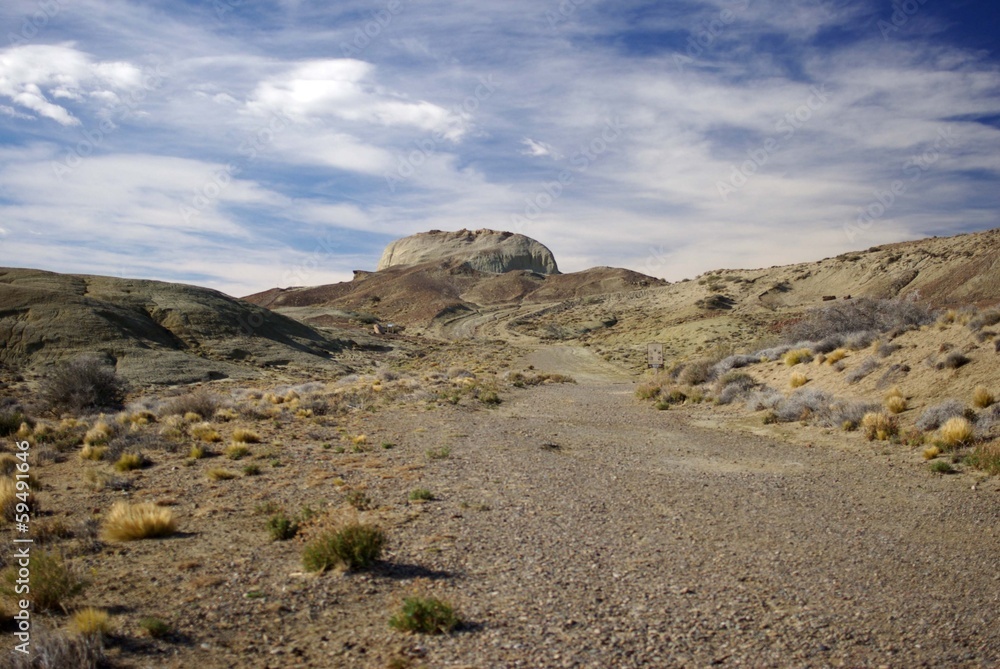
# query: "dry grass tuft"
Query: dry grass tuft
{"points": [[245, 436], [987, 458], [205, 432], [90, 452], [129, 522], [9, 498], [91, 622], [237, 451], [956, 431], [226, 415], [931, 452], [797, 356], [220, 475], [982, 397], [99, 434], [880, 426], [130, 461], [895, 401], [798, 379]]}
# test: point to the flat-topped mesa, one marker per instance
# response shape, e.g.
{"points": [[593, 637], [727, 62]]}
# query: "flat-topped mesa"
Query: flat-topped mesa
{"points": [[484, 250]]}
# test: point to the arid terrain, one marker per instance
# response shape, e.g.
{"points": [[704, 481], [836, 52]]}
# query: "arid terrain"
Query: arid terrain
{"points": [[807, 483]]}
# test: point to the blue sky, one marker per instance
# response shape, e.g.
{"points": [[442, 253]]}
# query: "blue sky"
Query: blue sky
{"points": [[244, 145]]}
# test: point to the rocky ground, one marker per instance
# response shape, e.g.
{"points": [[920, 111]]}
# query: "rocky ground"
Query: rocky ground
{"points": [[572, 526]]}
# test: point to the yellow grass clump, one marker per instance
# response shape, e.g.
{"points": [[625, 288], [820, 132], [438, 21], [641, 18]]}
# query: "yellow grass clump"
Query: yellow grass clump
{"points": [[91, 452], [9, 498], [895, 401], [237, 451], [931, 452], [797, 356], [99, 434], [192, 417], [24, 431], [879, 426], [205, 432], [220, 474], [129, 522], [91, 622], [129, 461], [798, 379], [982, 397], [197, 452], [226, 415], [245, 436], [956, 431], [836, 356]]}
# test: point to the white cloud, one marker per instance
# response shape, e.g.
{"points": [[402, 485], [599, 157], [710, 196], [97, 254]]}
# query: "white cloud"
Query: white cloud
{"points": [[32, 74], [538, 149], [344, 89]]}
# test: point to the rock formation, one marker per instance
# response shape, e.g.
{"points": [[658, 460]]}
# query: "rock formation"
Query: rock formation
{"points": [[483, 250]]}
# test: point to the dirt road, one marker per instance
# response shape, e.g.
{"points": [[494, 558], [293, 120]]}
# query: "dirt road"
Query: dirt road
{"points": [[612, 535]]}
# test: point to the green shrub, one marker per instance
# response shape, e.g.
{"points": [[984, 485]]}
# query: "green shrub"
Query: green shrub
{"points": [[10, 422], [354, 546], [154, 627], [281, 527], [425, 616], [421, 495]]}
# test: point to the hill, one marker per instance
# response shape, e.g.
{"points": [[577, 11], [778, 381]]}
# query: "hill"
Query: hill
{"points": [[155, 332]]}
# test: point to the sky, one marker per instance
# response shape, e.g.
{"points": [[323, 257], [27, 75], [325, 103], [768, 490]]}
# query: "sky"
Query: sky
{"points": [[246, 145]]}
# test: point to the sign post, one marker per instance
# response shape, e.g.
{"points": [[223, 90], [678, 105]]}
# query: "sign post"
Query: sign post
{"points": [[654, 356]]}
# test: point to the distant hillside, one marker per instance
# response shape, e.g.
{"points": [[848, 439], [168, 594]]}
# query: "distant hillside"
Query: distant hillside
{"points": [[155, 332]]}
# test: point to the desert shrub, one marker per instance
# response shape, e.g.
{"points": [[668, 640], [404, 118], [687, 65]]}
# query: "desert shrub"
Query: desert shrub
{"points": [[647, 391], [52, 582], [885, 349], [220, 475], [91, 622], [931, 452], [894, 374], [130, 522], [95, 453], [867, 366], [251, 470], [828, 344], [797, 356], [197, 452], [200, 402], [154, 627], [773, 353], [986, 457], [941, 467], [130, 461], [695, 373], [205, 432], [237, 451], [82, 384], [764, 398], [424, 616], [982, 397], [354, 546], [896, 404], [245, 436], [836, 356], [935, 416], [985, 319], [847, 415], [879, 426], [956, 431], [734, 385], [851, 316], [802, 405], [10, 421], [954, 360], [54, 649], [281, 527], [732, 362], [798, 379], [421, 495], [16, 499], [856, 341]]}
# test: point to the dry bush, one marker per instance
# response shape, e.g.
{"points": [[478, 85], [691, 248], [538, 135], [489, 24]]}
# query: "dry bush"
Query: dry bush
{"points": [[95, 453], [245, 436], [130, 522], [734, 386], [862, 314], [205, 432], [935, 416], [982, 397], [53, 649], [354, 546], [954, 360], [879, 426], [130, 461], [52, 582], [798, 379], [11, 420], [956, 431], [931, 452], [895, 401], [986, 457], [803, 404], [100, 434], [867, 366], [82, 384], [200, 402], [91, 622], [647, 391], [764, 398], [220, 475], [985, 319], [797, 356], [10, 500], [237, 451]]}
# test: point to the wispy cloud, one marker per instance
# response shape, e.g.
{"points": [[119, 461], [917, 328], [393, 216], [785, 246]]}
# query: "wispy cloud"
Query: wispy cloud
{"points": [[267, 154]]}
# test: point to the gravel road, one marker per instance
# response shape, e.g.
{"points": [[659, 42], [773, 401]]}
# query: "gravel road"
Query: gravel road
{"points": [[618, 536]]}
